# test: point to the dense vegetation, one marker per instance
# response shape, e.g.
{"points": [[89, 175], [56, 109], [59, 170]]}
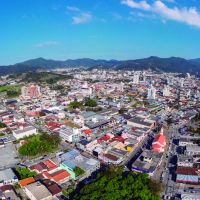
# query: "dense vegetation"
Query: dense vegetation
{"points": [[45, 77], [194, 130], [115, 185], [23, 173], [2, 125], [75, 104], [78, 171], [11, 90], [67, 191], [58, 87], [172, 64], [196, 118], [90, 102], [40, 144]]}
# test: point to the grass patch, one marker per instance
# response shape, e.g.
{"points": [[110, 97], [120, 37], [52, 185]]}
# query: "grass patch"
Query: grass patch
{"points": [[11, 90]]}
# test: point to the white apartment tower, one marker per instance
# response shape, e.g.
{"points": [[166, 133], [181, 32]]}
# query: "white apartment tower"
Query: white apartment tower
{"points": [[166, 91], [182, 82], [136, 78], [151, 92]]}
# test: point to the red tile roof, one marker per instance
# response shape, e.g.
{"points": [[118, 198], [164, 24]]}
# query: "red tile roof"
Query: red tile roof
{"points": [[6, 188], [26, 181], [118, 138], [40, 167], [159, 142], [87, 131], [50, 164], [54, 189], [53, 125], [103, 138], [57, 176], [46, 165], [188, 171]]}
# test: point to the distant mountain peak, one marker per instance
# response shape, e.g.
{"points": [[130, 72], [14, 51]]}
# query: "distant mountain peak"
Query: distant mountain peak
{"points": [[172, 64]]}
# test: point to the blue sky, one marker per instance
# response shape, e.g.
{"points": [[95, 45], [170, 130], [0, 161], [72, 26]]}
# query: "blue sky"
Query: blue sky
{"points": [[108, 29]]}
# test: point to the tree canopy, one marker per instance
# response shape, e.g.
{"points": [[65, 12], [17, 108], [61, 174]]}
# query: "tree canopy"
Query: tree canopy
{"points": [[78, 171], [75, 104], [113, 184], [23, 173], [40, 144], [2, 125], [90, 102]]}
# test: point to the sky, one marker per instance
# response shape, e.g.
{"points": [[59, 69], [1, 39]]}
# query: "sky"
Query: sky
{"points": [[99, 29]]}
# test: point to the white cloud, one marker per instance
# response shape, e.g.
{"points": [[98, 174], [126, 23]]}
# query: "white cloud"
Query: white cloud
{"points": [[73, 8], [143, 15], [140, 5], [47, 44], [189, 16], [82, 18]]}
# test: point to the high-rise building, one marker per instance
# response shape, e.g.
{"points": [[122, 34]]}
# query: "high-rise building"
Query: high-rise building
{"points": [[144, 76], [85, 85], [121, 87], [166, 91], [182, 82], [151, 92], [188, 75], [136, 78], [188, 93]]}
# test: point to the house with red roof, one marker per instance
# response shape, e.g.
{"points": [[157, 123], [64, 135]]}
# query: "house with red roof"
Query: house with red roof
{"points": [[49, 170], [53, 125], [46, 165], [26, 181], [159, 142], [87, 131], [60, 176], [103, 139]]}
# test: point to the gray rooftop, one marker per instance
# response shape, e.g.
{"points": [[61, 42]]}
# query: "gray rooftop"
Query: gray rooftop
{"points": [[39, 191], [7, 174]]}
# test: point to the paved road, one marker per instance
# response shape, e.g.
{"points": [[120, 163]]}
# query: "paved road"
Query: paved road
{"points": [[170, 185]]}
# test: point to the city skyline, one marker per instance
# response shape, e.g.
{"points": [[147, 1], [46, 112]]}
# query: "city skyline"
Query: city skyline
{"points": [[115, 29]]}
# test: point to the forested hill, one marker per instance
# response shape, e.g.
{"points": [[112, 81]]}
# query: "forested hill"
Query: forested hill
{"points": [[172, 64]]}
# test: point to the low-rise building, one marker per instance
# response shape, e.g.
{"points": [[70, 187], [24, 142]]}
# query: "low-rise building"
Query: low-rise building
{"points": [[7, 192], [8, 177], [73, 160], [147, 162], [24, 132], [188, 175], [192, 150], [69, 134], [37, 191]]}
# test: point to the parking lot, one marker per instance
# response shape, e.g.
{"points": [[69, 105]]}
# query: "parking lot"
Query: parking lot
{"points": [[8, 156]]}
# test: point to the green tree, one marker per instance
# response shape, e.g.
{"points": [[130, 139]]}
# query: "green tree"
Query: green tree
{"points": [[23, 173], [90, 102], [40, 144], [2, 125], [75, 104], [113, 184], [121, 111], [78, 171]]}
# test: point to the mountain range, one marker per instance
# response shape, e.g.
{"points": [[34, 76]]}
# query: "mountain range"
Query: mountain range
{"points": [[172, 64]]}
